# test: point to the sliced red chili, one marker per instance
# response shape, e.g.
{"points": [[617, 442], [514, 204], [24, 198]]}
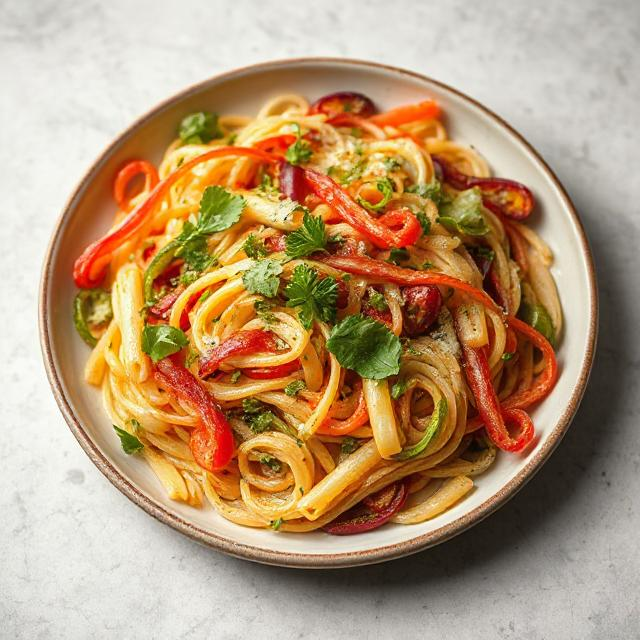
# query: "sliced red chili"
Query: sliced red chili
{"points": [[361, 519], [344, 102], [504, 197], [268, 373], [292, 182]]}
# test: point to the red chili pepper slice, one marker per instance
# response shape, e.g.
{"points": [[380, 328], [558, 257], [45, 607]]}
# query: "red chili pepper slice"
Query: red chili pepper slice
{"points": [[88, 270], [504, 197], [422, 305], [368, 520], [126, 174], [377, 231], [268, 373], [344, 102], [240, 343], [386, 272], [211, 442], [164, 305]]}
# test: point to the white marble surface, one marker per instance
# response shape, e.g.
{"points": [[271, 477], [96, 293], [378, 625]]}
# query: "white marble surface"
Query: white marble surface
{"points": [[79, 560]]}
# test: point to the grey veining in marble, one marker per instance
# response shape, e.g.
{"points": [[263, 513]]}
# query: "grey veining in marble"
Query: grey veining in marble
{"points": [[561, 560]]}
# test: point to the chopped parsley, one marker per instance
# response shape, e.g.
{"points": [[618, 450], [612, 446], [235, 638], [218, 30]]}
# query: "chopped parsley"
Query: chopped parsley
{"points": [[270, 461], [349, 445], [507, 356], [424, 221], [315, 296], [293, 388], [431, 191], [299, 152], [385, 187], [396, 256], [233, 378], [399, 388], [276, 524], [254, 247], [260, 419], [377, 300], [199, 128]]}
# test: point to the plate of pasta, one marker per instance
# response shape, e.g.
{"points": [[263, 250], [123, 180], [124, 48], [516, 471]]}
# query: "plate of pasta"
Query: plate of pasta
{"points": [[319, 312]]}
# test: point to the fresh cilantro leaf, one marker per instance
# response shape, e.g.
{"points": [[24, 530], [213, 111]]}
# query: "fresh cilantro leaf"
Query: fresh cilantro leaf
{"points": [[399, 388], [254, 247], [263, 277], [377, 300], [310, 237], [199, 128], [349, 445], [263, 310], [366, 346], [316, 297], [299, 152], [293, 388], [161, 340], [385, 187], [424, 221], [432, 191], [396, 256], [463, 214], [130, 444], [219, 210], [273, 463]]}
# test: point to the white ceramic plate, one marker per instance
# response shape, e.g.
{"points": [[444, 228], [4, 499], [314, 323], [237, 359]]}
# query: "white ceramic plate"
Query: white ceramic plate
{"points": [[88, 215]]}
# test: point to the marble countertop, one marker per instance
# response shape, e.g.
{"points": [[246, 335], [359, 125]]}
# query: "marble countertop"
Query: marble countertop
{"points": [[561, 560]]}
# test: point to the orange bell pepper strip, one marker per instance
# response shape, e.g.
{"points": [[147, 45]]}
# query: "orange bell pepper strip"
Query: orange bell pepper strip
{"points": [[424, 110], [360, 417], [89, 268]]}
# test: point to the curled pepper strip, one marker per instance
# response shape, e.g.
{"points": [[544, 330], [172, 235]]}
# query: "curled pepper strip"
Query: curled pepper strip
{"points": [[126, 174], [240, 343], [478, 374], [379, 233], [211, 441], [360, 417], [88, 270], [385, 272], [504, 197], [370, 519], [276, 145]]}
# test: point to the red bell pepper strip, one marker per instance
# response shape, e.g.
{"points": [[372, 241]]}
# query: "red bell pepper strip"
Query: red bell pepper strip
{"points": [[269, 373], [240, 343], [425, 110], [544, 382], [377, 231], [504, 197], [211, 441], [369, 519], [276, 145], [385, 272], [165, 304], [126, 174], [88, 270], [360, 417], [347, 102], [478, 375]]}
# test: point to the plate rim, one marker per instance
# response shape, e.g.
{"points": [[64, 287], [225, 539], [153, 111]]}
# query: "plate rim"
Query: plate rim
{"points": [[288, 558]]}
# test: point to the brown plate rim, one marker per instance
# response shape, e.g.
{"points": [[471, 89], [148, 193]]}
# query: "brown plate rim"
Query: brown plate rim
{"points": [[285, 558]]}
